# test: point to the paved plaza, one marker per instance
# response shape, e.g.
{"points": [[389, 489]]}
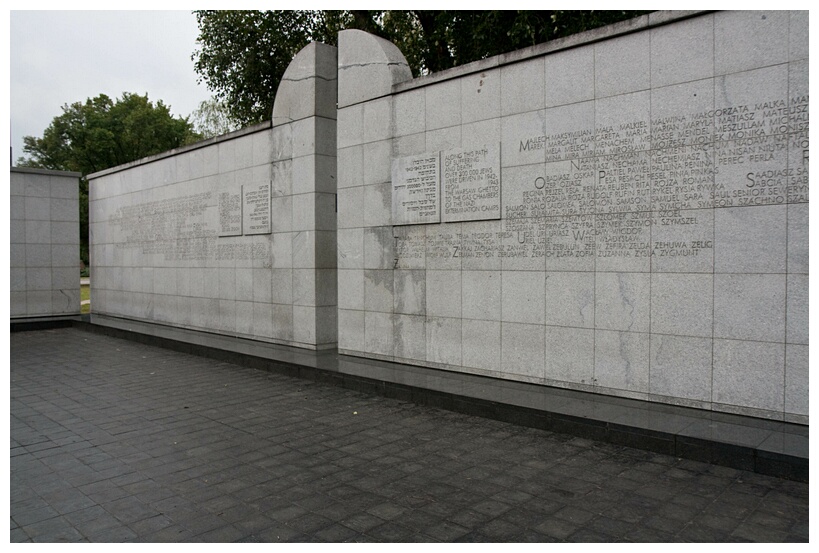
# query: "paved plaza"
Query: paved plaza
{"points": [[114, 441]]}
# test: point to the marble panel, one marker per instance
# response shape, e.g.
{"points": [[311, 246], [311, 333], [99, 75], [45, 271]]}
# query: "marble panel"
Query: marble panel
{"points": [[621, 360], [569, 354], [410, 292], [569, 77], [443, 293], [683, 51], [444, 340], [681, 367], [682, 304], [523, 297], [622, 65], [410, 337], [443, 105], [481, 291], [570, 299], [622, 301], [750, 307], [481, 344], [523, 350], [797, 396], [797, 315], [517, 81], [350, 329], [481, 96], [749, 374], [739, 37]]}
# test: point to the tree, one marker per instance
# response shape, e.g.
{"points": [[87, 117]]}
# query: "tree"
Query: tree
{"points": [[102, 133], [243, 54], [212, 118]]}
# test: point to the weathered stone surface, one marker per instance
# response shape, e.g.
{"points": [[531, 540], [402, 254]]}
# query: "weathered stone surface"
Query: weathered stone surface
{"points": [[368, 66], [652, 224]]}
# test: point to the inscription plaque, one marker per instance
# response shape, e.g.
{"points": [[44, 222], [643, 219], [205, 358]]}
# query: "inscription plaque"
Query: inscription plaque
{"points": [[416, 190], [471, 184], [256, 209], [230, 213]]}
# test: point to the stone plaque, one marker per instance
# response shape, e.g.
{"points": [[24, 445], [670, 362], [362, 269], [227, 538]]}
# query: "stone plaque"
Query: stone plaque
{"points": [[230, 213], [415, 190], [471, 184], [256, 209]]}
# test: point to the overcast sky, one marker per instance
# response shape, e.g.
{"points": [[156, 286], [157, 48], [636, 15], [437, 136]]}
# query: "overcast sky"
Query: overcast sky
{"points": [[61, 57]]}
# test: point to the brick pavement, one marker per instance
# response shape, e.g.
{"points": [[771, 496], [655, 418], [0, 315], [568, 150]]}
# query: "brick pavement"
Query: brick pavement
{"points": [[114, 441]]}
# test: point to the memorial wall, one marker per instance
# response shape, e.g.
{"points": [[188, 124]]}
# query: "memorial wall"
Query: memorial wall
{"points": [[234, 235], [624, 211], [45, 243]]}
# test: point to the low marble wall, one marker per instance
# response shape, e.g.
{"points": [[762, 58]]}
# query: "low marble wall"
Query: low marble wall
{"points": [[45, 243], [624, 211]]}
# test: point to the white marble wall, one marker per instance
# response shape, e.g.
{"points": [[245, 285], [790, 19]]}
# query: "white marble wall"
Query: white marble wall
{"points": [[158, 250], [45, 243], [653, 241]]}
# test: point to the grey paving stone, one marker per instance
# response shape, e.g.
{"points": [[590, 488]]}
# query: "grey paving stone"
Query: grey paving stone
{"points": [[362, 522], [610, 526], [586, 535], [700, 534], [267, 460], [501, 530], [474, 537], [336, 533], [277, 533], [309, 523], [575, 515], [641, 534], [151, 525], [18, 535], [664, 524], [32, 516], [56, 529], [557, 528], [225, 534], [169, 534], [390, 532], [386, 511]]}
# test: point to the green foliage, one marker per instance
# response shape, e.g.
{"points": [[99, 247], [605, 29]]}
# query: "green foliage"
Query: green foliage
{"points": [[243, 54], [102, 133], [433, 40], [212, 118]]}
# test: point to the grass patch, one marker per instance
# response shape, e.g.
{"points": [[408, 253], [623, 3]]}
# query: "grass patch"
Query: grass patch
{"points": [[85, 294]]}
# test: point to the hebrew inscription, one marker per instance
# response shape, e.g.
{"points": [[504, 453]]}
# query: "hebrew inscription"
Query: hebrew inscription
{"points": [[471, 184], [416, 190], [256, 209], [230, 213]]}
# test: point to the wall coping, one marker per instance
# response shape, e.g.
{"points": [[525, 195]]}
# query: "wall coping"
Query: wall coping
{"points": [[49, 172], [259, 127], [629, 26]]}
